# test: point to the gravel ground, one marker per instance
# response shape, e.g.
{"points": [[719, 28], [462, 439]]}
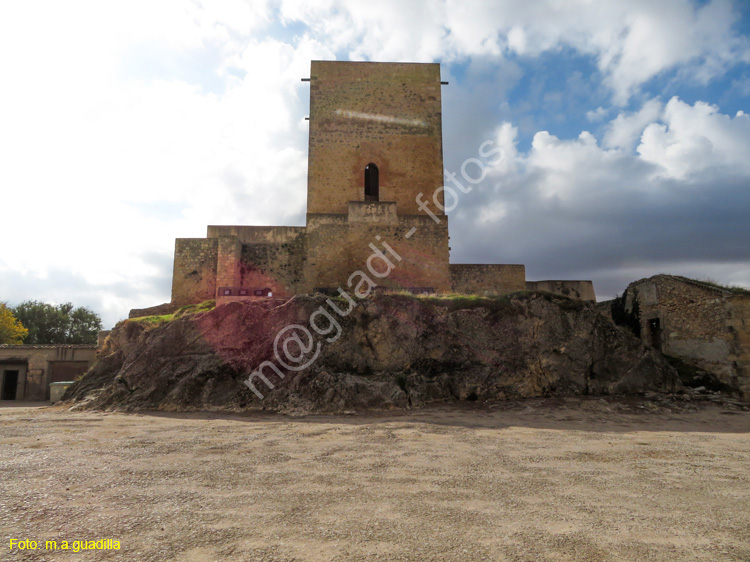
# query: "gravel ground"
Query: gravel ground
{"points": [[537, 480]]}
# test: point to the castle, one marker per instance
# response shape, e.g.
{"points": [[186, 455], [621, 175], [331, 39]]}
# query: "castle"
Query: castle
{"points": [[375, 177]]}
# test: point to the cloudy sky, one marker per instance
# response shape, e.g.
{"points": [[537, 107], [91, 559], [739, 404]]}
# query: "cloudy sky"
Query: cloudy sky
{"points": [[624, 128]]}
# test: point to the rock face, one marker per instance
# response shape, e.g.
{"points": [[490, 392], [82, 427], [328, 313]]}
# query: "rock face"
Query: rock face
{"points": [[388, 351]]}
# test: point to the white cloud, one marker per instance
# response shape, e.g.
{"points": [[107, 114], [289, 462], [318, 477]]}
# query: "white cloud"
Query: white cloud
{"points": [[569, 167], [697, 138], [105, 169], [679, 143], [596, 114], [625, 130], [574, 209], [631, 41], [389, 30]]}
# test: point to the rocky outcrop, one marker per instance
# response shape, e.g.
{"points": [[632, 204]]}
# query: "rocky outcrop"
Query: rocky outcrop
{"points": [[385, 351]]}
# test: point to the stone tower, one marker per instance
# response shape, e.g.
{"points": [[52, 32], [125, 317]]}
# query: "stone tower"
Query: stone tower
{"points": [[375, 171], [387, 114], [375, 145]]}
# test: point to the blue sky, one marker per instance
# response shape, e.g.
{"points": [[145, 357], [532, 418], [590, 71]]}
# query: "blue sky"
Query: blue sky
{"points": [[624, 131]]}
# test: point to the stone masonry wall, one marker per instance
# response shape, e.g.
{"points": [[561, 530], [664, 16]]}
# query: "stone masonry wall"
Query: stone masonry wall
{"points": [[279, 267], [385, 113], [704, 325], [579, 290], [487, 279], [337, 249], [257, 234], [194, 274], [739, 326], [35, 365], [228, 262]]}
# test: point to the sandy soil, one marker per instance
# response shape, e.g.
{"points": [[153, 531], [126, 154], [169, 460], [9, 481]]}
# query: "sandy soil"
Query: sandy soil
{"points": [[558, 480]]}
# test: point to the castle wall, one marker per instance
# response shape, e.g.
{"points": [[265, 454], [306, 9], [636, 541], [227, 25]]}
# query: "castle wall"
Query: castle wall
{"points": [[329, 261], [194, 274], [279, 267], [579, 290], [487, 279], [228, 262], [257, 234], [337, 249], [385, 113]]}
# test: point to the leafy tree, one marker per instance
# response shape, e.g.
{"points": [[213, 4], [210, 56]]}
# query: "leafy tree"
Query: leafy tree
{"points": [[58, 324], [11, 330]]}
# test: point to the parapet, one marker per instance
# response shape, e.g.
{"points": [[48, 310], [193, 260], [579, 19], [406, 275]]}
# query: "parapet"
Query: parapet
{"points": [[487, 279], [579, 290]]}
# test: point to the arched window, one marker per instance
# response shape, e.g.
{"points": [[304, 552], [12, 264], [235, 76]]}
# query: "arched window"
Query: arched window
{"points": [[372, 186]]}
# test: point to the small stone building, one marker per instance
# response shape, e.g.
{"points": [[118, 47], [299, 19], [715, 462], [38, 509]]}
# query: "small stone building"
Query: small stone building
{"points": [[26, 371], [703, 324], [375, 184]]}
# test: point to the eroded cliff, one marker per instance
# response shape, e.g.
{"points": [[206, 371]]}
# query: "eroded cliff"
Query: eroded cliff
{"points": [[385, 351]]}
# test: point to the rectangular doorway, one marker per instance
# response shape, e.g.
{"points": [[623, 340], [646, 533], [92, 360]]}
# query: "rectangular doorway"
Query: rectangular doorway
{"points": [[10, 385], [654, 328]]}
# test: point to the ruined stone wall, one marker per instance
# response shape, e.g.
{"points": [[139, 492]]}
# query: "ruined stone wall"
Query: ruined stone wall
{"points": [[692, 319], [385, 113], [487, 279], [194, 274], [703, 325], [579, 290], [739, 326], [39, 365]]}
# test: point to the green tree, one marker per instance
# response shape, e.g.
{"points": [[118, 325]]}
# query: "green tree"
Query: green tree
{"points": [[11, 330], [56, 324]]}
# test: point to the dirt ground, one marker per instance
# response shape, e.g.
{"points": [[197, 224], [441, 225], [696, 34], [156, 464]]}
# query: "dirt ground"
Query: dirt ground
{"points": [[537, 480]]}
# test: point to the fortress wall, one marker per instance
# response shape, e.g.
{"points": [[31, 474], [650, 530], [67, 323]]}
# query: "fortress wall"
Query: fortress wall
{"points": [[385, 113], [194, 274], [279, 267], [424, 254], [257, 234], [336, 251], [328, 255], [228, 262], [579, 290], [314, 220], [487, 279]]}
